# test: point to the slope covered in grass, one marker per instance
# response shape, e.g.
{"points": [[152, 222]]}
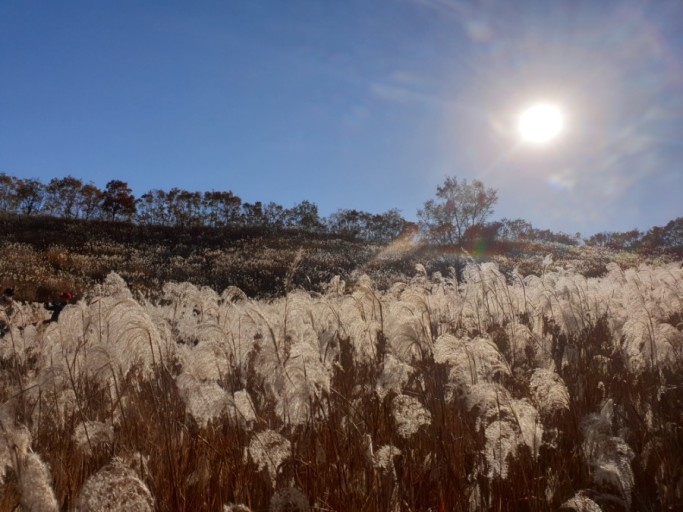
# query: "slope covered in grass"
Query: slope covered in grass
{"points": [[483, 392]]}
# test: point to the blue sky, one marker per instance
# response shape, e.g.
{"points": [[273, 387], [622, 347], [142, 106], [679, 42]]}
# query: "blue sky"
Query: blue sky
{"points": [[363, 104]]}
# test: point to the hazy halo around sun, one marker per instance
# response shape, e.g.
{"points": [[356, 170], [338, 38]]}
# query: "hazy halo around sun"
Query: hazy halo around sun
{"points": [[540, 123]]}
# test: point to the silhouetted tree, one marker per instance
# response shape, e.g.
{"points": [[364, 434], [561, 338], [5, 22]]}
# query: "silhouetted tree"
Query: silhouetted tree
{"points": [[515, 230], [152, 208], [118, 201], [90, 200], [275, 215], [668, 238], [486, 233], [8, 193], [558, 237], [30, 196], [620, 241], [62, 199], [221, 208], [252, 214], [305, 216], [459, 206], [347, 222], [387, 226], [185, 207]]}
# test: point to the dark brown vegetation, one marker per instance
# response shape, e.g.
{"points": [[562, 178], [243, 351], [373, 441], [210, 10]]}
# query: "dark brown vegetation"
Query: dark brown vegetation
{"points": [[44, 256]]}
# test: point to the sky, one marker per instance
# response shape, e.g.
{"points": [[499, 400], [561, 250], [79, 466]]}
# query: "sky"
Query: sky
{"points": [[365, 104]]}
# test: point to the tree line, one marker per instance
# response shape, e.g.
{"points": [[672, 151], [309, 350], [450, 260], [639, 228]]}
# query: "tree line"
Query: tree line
{"points": [[457, 216], [71, 198]]}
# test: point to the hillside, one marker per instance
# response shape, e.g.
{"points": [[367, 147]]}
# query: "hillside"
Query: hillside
{"points": [[44, 256]]}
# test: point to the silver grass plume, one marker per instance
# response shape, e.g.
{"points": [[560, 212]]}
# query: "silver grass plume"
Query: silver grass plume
{"points": [[305, 381], [105, 338], [487, 399], [269, 450], [115, 488], [508, 425], [501, 443], [409, 415], [549, 392], [289, 499], [15, 440], [470, 361], [520, 339], [131, 337], [205, 401], [361, 316], [383, 459], [580, 502], [35, 485], [35, 480], [335, 287], [289, 358], [69, 333], [518, 425], [233, 507], [409, 331], [649, 344], [113, 286], [91, 435], [208, 360], [395, 375], [484, 290], [609, 457], [242, 409]]}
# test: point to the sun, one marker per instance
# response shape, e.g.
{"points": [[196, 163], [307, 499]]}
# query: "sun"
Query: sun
{"points": [[540, 123]]}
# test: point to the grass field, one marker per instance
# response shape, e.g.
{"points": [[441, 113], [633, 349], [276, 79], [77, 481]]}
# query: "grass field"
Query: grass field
{"points": [[484, 389]]}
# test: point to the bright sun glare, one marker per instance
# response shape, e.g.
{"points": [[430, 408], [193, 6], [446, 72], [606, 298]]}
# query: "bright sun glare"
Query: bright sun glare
{"points": [[540, 123]]}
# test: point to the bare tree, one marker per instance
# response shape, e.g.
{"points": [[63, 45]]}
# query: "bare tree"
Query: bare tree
{"points": [[459, 205]]}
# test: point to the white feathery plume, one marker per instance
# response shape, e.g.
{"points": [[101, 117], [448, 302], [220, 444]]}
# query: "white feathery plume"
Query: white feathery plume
{"points": [[115, 488], [395, 375], [549, 392], [233, 507], [35, 480], [409, 328], [527, 420], [91, 435], [470, 361], [519, 338], [305, 380], [336, 287], [486, 296], [113, 286], [289, 499], [609, 457], [15, 443], [208, 360], [243, 408], [383, 458], [131, 337], [580, 502], [409, 415], [647, 344], [487, 398], [518, 425], [501, 443], [35, 485], [269, 450], [205, 401]]}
